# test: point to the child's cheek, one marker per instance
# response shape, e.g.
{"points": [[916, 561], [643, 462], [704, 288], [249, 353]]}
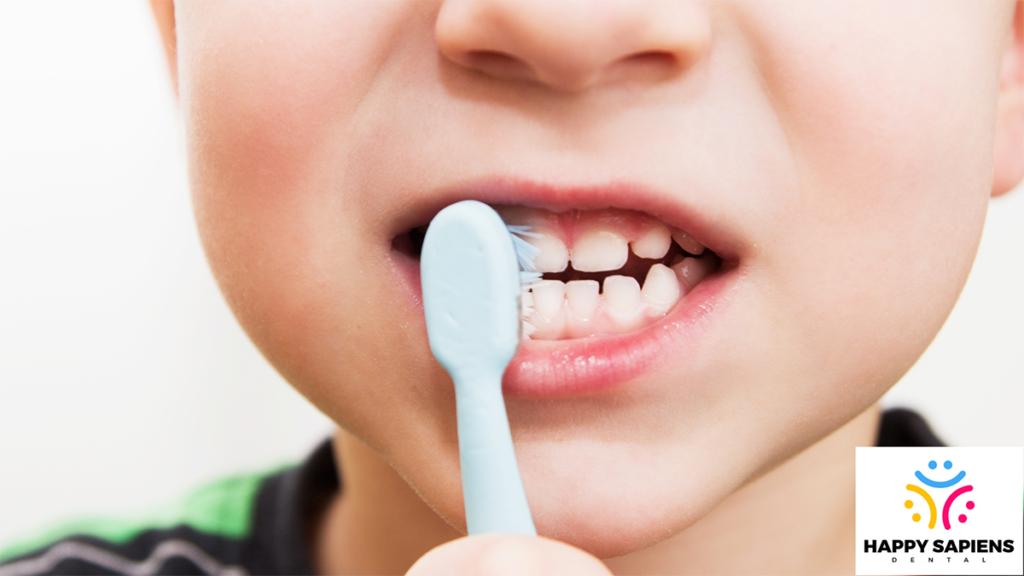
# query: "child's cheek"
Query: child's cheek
{"points": [[266, 93], [888, 115], [268, 96]]}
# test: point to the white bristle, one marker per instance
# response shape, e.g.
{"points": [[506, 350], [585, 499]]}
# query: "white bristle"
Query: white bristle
{"points": [[526, 253], [529, 277], [526, 302], [523, 231], [528, 330]]}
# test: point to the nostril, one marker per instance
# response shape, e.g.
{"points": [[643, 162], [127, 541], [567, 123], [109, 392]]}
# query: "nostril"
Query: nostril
{"points": [[499, 64], [650, 65], [652, 58], [573, 46]]}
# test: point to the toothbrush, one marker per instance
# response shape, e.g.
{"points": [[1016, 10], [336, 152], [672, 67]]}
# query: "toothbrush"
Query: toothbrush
{"points": [[472, 268]]}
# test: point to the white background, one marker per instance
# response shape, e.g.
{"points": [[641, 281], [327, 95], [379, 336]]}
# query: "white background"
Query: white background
{"points": [[124, 379]]}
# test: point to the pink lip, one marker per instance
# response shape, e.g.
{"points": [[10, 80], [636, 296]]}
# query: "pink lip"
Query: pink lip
{"points": [[504, 190], [559, 368]]}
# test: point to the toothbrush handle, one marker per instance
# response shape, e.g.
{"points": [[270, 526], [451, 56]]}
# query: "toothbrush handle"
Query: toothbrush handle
{"points": [[491, 485]]}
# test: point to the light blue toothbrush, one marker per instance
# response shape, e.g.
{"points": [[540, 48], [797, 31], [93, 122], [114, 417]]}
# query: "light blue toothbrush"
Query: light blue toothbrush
{"points": [[471, 279]]}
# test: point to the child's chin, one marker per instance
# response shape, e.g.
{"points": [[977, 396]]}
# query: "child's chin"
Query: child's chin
{"points": [[613, 499]]}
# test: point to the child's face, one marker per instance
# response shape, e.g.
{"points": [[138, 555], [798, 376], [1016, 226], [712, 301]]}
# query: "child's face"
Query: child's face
{"points": [[837, 157]]}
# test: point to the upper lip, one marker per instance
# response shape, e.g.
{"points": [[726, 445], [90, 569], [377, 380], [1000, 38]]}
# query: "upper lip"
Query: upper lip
{"points": [[622, 195]]}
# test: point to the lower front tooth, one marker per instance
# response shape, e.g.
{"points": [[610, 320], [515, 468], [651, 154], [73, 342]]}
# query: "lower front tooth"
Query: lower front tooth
{"points": [[583, 297], [621, 294], [548, 297], [661, 288]]}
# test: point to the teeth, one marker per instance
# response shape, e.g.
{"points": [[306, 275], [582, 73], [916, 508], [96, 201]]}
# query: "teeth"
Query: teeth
{"points": [[653, 244], [621, 294], [583, 298], [553, 256], [599, 251], [690, 271], [687, 243], [661, 287], [548, 297]]}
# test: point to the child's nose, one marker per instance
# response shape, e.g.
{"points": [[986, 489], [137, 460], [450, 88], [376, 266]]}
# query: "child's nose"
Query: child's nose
{"points": [[572, 45]]}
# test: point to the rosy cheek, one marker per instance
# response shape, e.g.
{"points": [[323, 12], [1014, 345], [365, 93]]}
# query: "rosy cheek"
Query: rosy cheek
{"points": [[862, 108], [266, 98], [881, 119], [254, 97], [884, 132], [267, 94]]}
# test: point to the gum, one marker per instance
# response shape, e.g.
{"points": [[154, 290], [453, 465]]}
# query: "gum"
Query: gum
{"points": [[571, 224]]}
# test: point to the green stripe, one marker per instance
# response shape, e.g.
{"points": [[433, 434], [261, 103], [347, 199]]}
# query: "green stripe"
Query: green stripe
{"points": [[222, 508]]}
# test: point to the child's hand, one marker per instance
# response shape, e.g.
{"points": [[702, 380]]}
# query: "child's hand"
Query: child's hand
{"points": [[500, 554]]}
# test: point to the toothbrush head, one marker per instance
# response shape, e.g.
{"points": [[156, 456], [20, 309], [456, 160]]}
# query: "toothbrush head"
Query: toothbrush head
{"points": [[470, 275]]}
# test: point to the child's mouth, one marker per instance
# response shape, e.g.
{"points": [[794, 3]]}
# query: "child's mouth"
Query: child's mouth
{"points": [[622, 291], [604, 271]]}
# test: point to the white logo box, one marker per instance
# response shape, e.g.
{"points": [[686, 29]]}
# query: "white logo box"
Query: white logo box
{"points": [[995, 513]]}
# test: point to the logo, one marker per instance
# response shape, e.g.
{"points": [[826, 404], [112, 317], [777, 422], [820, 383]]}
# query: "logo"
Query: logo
{"points": [[939, 484], [940, 510]]}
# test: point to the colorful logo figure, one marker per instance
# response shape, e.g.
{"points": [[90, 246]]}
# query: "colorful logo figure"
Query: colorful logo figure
{"points": [[933, 516]]}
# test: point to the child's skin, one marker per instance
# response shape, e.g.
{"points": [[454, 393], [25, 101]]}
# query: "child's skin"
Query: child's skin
{"points": [[838, 156]]}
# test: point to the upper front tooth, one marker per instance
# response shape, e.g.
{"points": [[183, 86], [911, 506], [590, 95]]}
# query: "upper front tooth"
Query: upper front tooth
{"points": [[553, 255], [599, 251], [621, 293], [686, 242], [583, 297], [548, 297], [654, 243]]}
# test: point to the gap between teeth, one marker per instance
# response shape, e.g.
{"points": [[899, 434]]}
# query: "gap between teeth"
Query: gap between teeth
{"points": [[552, 309]]}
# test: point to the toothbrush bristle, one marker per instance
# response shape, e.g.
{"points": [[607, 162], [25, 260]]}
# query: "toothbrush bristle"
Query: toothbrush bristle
{"points": [[523, 231], [525, 252], [526, 302], [526, 278], [528, 330]]}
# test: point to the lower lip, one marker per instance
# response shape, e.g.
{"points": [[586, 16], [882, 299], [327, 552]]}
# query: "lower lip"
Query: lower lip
{"points": [[559, 368]]}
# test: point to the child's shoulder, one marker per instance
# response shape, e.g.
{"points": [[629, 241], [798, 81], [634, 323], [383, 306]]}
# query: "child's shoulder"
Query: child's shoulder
{"points": [[238, 525]]}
